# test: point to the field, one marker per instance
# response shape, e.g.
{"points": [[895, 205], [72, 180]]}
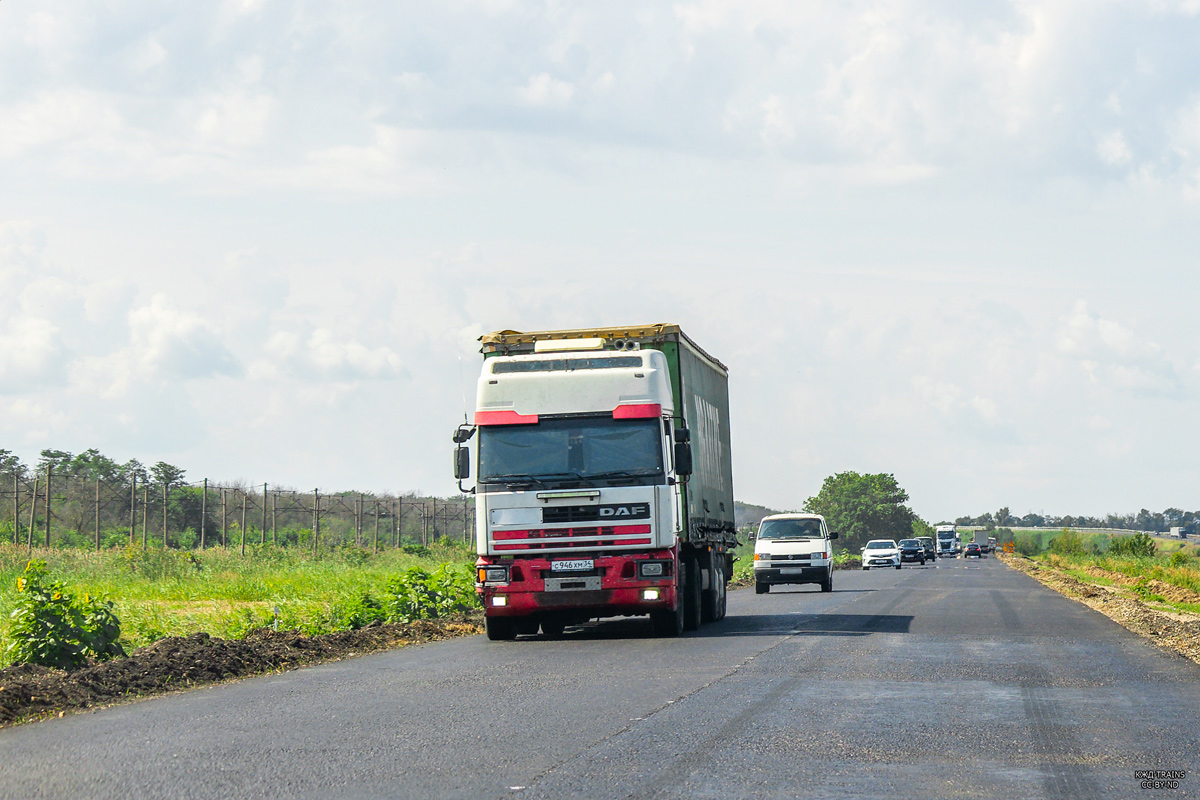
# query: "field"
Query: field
{"points": [[159, 593]]}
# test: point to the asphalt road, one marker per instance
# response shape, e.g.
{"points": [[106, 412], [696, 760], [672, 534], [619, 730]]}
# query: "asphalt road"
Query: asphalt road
{"points": [[964, 679]]}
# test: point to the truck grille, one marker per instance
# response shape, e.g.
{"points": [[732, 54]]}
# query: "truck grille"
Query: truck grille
{"points": [[614, 512], [602, 536]]}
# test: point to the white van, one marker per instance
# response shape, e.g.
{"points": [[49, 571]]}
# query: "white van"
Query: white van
{"points": [[793, 548]]}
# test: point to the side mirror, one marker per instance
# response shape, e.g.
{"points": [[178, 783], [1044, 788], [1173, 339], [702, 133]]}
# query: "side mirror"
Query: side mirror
{"points": [[462, 463], [833, 535], [683, 458]]}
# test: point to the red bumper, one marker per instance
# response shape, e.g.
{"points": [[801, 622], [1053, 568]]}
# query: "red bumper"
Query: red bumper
{"points": [[619, 592]]}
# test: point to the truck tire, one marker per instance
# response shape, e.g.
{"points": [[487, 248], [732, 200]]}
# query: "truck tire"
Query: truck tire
{"points": [[526, 626], [500, 629], [668, 622], [691, 595], [552, 628], [710, 598], [827, 584], [722, 589]]}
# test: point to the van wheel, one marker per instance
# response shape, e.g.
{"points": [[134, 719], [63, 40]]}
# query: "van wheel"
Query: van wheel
{"points": [[827, 584], [762, 588]]}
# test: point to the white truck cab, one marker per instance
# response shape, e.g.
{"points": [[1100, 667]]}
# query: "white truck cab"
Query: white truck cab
{"points": [[793, 548]]}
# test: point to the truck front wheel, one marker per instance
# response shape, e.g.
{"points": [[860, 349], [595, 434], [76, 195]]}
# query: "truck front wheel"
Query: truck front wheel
{"points": [[500, 629]]}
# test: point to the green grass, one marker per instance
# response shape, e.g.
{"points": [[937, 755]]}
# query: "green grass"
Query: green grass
{"points": [[160, 593], [1167, 566]]}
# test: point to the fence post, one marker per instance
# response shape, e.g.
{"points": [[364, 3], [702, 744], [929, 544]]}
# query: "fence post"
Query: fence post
{"points": [[145, 513], [316, 518], [132, 507], [16, 508], [166, 490], [47, 506], [244, 496], [203, 513], [398, 509], [97, 515], [262, 531], [376, 545], [32, 511], [224, 517], [274, 516]]}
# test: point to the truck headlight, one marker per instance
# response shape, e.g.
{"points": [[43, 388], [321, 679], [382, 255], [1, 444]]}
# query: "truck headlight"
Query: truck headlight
{"points": [[493, 574], [651, 569]]}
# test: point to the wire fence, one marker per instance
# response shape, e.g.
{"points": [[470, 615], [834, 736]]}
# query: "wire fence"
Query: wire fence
{"points": [[48, 510]]}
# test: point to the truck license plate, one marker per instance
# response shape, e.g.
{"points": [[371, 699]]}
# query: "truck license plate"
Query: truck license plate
{"points": [[575, 565]]}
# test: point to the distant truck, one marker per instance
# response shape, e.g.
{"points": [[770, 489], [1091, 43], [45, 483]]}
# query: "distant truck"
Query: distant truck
{"points": [[603, 482], [948, 542]]}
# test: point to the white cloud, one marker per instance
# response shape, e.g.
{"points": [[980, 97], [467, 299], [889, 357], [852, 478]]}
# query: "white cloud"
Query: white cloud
{"points": [[32, 356], [1114, 355], [1113, 149], [542, 90], [167, 342]]}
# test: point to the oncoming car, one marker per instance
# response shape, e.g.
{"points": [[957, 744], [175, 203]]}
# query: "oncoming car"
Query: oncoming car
{"points": [[930, 547], [881, 553], [912, 550], [793, 548]]}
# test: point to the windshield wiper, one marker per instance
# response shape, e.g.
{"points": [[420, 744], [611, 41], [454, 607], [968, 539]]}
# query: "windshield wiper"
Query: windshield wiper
{"points": [[558, 476], [514, 479], [625, 473]]}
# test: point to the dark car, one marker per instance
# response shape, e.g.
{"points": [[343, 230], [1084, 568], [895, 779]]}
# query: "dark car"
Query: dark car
{"points": [[912, 550], [930, 547], [973, 551]]}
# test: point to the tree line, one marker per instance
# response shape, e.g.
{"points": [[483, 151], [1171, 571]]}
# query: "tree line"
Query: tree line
{"points": [[1144, 520]]}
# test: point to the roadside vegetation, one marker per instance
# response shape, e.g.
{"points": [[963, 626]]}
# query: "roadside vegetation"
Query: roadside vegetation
{"points": [[157, 593], [1164, 575]]}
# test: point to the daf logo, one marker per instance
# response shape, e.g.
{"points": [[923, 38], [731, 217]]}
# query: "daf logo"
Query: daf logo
{"points": [[627, 511]]}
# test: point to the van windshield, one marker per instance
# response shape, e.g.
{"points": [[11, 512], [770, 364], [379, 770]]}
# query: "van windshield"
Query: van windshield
{"points": [[790, 529]]}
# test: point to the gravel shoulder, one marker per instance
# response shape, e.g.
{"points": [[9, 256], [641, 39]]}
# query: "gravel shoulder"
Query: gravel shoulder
{"points": [[1179, 633], [29, 692]]}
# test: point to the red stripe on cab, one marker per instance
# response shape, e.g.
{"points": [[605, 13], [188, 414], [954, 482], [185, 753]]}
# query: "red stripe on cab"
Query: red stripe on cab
{"points": [[638, 411], [505, 417]]}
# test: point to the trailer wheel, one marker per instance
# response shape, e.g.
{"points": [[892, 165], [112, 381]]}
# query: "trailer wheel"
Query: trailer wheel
{"points": [[723, 590], [500, 629], [692, 598], [710, 605]]}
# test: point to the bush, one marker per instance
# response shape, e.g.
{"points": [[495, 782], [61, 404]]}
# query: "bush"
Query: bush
{"points": [[1028, 545], [1067, 543], [1140, 545], [1179, 558], [419, 550], [53, 628], [418, 593], [357, 612]]}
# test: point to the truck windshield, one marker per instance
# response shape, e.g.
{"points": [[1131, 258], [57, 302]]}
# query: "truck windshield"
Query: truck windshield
{"points": [[790, 529], [575, 450]]}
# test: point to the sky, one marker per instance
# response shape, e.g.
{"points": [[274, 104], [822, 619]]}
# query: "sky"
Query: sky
{"points": [[955, 242]]}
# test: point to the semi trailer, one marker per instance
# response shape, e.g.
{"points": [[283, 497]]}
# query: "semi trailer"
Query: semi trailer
{"points": [[602, 479]]}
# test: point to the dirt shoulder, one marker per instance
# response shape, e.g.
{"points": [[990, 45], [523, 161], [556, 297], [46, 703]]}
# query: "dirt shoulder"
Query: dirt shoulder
{"points": [[30, 692], [1179, 633]]}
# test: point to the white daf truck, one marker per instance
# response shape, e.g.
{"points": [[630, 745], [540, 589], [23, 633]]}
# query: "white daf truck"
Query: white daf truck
{"points": [[603, 482]]}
